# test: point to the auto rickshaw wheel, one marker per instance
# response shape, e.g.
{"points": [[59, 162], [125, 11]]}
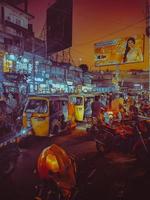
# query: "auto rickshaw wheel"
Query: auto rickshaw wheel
{"points": [[100, 148]]}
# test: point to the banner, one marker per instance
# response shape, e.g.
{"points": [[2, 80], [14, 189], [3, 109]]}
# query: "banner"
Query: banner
{"points": [[120, 51]]}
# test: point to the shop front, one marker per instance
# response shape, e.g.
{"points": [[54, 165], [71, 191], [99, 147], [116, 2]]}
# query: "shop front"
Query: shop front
{"points": [[59, 87], [87, 88], [71, 87], [103, 89]]}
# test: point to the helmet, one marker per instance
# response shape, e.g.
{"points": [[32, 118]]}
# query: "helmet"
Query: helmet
{"points": [[54, 164], [48, 162]]}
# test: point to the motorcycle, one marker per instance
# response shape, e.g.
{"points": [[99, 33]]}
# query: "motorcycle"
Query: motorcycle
{"points": [[126, 136], [57, 173], [114, 137], [93, 126]]}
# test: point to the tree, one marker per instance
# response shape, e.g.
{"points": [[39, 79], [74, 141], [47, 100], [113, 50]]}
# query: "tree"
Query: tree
{"points": [[84, 67]]}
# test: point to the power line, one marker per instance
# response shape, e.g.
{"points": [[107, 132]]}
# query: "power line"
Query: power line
{"points": [[112, 33], [106, 35], [42, 34], [96, 39]]}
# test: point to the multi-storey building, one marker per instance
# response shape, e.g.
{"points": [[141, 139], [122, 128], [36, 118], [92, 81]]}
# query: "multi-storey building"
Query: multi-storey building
{"points": [[14, 28], [23, 62]]}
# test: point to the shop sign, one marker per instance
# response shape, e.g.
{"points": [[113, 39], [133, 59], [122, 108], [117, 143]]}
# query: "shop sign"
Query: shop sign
{"points": [[11, 76], [47, 75], [7, 65], [38, 79], [9, 84], [14, 76], [50, 81], [69, 83], [2, 77], [78, 88], [2, 53]]}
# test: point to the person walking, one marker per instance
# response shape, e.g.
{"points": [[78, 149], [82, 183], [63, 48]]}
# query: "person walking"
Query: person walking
{"points": [[11, 105], [96, 107], [88, 109]]}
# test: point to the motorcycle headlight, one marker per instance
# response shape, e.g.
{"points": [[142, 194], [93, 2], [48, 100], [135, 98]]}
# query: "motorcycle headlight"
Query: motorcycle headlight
{"points": [[26, 131]]}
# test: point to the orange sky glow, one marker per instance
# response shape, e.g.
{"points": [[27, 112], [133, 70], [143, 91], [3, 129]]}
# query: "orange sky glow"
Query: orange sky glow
{"points": [[96, 21]]}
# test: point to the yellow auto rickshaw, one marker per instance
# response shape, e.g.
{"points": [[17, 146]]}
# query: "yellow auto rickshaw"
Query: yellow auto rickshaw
{"points": [[46, 114], [80, 101]]}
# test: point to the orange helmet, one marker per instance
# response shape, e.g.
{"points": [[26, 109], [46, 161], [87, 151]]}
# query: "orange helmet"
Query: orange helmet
{"points": [[55, 164], [47, 162]]}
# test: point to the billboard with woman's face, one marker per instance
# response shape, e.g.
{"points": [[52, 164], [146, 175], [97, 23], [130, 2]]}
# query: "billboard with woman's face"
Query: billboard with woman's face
{"points": [[120, 51]]}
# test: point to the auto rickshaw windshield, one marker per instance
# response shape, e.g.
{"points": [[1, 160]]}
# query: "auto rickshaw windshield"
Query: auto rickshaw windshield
{"points": [[37, 106]]}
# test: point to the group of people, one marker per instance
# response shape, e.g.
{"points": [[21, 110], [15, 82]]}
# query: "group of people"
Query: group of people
{"points": [[8, 107], [121, 105], [96, 106], [11, 106]]}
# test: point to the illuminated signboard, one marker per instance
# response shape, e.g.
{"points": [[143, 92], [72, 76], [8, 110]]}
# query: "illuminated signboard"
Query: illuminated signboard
{"points": [[119, 51]]}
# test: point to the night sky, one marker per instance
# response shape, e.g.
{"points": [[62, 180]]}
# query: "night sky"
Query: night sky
{"points": [[95, 21]]}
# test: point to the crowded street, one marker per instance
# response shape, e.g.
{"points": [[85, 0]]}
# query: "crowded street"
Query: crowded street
{"points": [[74, 100], [113, 176]]}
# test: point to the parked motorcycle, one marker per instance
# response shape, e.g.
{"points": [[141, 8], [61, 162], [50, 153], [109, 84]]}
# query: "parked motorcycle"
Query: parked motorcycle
{"points": [[127, 136]]}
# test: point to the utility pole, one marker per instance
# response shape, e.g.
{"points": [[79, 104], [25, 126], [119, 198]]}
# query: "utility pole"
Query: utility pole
{"points": [[148, 35], [33, 62], [26, 6]]}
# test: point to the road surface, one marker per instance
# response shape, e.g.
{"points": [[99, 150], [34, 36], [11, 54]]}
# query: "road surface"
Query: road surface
{"points": [[109, 177]]}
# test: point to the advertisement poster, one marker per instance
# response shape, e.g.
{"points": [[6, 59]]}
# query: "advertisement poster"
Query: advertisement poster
{"points": [[120, 51]]}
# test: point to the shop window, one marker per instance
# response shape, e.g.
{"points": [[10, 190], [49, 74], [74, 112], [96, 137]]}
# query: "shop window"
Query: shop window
{"points": [[18, 22]]}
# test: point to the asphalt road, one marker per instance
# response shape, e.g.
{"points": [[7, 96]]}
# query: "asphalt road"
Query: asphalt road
{"points": [[114, 176]]}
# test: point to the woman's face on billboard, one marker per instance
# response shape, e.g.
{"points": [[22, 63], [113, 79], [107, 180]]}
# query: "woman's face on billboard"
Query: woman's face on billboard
{"points": [[131, 44]]}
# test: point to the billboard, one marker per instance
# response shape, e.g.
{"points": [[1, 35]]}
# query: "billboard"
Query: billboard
{"points": [[59, 26], [120, 51]]}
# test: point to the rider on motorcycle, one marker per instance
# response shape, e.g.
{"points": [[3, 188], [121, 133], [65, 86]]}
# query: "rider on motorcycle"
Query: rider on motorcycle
{"points": [[3, 118]]}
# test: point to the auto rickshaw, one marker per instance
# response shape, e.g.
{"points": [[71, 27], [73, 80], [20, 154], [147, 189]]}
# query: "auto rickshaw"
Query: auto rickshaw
{"points": [[79, 101], [46, 114]]}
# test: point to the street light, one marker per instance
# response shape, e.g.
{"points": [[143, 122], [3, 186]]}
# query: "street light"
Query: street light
{"points": [[80, 60]]}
